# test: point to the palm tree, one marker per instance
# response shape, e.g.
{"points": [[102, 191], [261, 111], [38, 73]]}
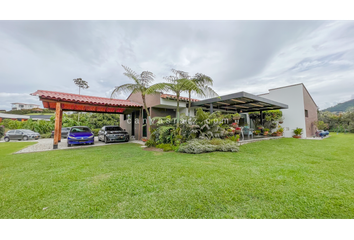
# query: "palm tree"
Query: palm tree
{"points": [[204, 83], [177, 84], [141, 85]]}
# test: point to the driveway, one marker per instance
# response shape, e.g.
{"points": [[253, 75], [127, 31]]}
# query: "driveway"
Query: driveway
{"points": [[46, 144]]}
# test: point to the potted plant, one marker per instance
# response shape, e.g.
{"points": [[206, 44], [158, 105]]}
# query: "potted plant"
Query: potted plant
{"points": [[281, 120], [280, 131], [144, 139], [257, 132], [266, 131], [260, 127], [238, 130], [298, 132], [236, 116], [234, 124]]}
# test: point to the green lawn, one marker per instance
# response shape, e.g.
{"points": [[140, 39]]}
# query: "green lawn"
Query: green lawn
{"points": [[286, 178]]}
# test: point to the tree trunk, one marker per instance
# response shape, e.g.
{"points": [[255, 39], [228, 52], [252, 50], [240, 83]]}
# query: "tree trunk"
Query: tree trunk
{"points": [[189, 104], [177, 111], [146, 109]]}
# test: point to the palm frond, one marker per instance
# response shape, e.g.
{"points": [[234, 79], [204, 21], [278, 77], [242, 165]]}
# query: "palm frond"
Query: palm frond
{"points": [[202, 79], [146, 78], [131, 74], [126, 88], [158, 87], [208, 92]]}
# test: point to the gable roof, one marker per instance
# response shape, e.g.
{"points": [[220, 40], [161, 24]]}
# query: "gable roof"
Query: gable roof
{"points": [[71, 97]]}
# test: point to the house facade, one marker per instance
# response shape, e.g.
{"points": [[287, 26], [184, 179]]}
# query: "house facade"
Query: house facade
{"points": [[298, 108], [20, 106], [302, 111]]}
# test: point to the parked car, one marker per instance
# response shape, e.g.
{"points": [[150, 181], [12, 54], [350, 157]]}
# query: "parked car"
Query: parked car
{"points": [[21, 134], [80, 135], [64, 132], [112, 134]]}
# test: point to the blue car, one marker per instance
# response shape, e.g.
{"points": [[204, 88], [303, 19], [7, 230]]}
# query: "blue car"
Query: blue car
{"points": [[80, 135]]}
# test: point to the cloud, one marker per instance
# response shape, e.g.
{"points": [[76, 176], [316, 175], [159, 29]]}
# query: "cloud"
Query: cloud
{"points": [[251, 56]]}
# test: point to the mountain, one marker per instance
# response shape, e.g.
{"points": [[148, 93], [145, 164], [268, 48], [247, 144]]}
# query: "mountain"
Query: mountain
{"points": [[341, 107]]}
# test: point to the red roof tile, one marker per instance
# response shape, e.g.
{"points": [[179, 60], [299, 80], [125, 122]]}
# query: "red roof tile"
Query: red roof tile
{"points": [[170, 96], [71, 97]]}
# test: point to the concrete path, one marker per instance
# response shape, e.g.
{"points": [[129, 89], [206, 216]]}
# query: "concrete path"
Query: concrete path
{"points": [[46, 144]]}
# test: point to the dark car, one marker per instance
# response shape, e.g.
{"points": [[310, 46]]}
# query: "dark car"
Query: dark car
{"points": [[64, 132], [112, 134], [80, 135], [21, 134]]}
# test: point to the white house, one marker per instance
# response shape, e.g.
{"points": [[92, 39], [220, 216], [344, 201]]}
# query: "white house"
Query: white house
{"points": [[302, 109], [20, 106]]}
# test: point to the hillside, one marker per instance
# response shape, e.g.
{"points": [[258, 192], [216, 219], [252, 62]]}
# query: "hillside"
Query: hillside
{"points": [[341, 107]]}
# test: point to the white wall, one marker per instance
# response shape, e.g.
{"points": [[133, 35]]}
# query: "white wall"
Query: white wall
{"points": [[294, 116]]}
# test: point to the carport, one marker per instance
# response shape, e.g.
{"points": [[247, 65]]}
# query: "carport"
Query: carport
{"points": [[60, 102]]}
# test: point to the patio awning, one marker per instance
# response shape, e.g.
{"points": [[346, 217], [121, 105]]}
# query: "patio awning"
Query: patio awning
{"points": [[240, 102]]}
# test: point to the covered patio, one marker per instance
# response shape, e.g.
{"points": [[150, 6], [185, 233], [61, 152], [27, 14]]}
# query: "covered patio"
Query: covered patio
{"points": [[241, 102], [60, 102]]}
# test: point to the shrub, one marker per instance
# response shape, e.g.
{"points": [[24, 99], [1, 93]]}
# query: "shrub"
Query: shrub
{"points": [[2, 131], [234, 138], [150, 143], [95, 131], [46, 135], [197, 146], [166, 147]]}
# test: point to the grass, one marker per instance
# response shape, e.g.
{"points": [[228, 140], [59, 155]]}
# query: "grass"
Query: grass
{"points": [[285, 178]]}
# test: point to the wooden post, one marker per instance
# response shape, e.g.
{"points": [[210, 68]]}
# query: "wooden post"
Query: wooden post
{"points": [[60, 124], [57, 125], [211, 108]]}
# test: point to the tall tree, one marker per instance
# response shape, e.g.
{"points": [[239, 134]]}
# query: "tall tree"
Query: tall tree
{"points": [[141, 84], [81, 84], [204, 84], [177, 84]]}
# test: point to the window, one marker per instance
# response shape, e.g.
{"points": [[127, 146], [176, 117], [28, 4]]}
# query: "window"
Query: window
{"points": [[80, 129], [306, 113]]}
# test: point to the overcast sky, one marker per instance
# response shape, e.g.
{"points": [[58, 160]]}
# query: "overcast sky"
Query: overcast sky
{"points": [[250, 56]]}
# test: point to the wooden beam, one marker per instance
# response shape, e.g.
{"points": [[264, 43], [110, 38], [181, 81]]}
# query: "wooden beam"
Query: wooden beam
{"points": [[235, 100], [87, 104], [60, 123], [57, 126]]}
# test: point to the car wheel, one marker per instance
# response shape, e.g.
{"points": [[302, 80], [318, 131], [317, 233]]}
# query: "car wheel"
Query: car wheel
{"points": [[24, 138], [98, 138], [69, 145], [105, 140], [127, 139], [7, 139]]}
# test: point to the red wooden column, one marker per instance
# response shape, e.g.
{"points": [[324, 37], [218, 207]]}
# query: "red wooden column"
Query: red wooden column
{"points": [[57, 125], [60, 124]]}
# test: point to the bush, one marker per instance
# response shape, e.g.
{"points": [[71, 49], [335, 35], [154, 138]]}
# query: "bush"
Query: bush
{"points": [[95, 131], [46, 135], [2, 131], [167, 147], [197, 146], [150, 143]]}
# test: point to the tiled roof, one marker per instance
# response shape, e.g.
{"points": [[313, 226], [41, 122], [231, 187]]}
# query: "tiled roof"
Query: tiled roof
{"points": [[170, 96], [71, 97]]}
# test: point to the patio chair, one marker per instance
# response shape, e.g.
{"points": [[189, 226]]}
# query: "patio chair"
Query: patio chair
{"points": [[246, 131]]}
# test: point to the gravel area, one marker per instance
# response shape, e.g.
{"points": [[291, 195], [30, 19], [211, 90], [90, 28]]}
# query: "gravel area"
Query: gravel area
{"points": [[46, 144]]}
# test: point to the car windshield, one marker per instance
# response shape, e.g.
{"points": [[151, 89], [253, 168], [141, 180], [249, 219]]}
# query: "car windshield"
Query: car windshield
{"points": [[80, 129], [113, 129]]}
